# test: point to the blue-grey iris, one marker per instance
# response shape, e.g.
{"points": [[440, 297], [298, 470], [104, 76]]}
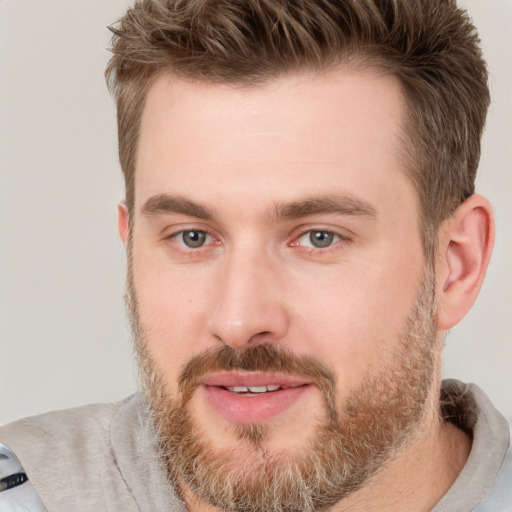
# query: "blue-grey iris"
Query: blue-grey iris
{"points": [[194, 239], [321, 239]]}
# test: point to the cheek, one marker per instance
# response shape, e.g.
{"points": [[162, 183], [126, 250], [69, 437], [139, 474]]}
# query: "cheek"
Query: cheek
{"points": [[172, 309], [353, 320]]}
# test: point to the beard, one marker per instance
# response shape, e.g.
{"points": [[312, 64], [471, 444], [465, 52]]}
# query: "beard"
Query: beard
{"points": [[358, 434]]}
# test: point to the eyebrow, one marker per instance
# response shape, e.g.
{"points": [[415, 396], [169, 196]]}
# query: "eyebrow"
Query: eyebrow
{"points": [[346, 205], [166, 204]]}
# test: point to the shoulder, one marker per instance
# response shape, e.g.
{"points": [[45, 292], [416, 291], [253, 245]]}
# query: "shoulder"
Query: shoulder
{"points": [[499, 496], [61, 450], [485, 482], [75, 429]]}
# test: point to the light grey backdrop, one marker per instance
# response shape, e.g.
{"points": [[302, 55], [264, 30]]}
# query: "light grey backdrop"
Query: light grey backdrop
{"points": [[64, 339]]}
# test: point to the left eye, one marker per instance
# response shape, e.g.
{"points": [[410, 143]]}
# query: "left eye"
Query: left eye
{"points": [[193, 238], [318, 239]]}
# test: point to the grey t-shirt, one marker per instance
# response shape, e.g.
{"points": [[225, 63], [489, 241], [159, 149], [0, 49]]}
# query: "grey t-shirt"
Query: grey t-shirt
{"points": [[104, 457]]}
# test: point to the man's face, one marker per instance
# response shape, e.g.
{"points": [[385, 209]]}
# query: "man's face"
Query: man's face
{"points": [[278, 285]]}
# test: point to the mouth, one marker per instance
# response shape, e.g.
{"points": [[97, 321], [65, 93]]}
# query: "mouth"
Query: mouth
{"points": [[243, 398], [255, 390]]}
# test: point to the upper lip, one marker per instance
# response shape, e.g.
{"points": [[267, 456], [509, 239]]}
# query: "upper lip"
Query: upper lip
{"points": [[252, 379]]}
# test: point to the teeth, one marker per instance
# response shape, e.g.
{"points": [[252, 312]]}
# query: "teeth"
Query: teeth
{"points": [[252, 389], [239, 389], [258, 389]]}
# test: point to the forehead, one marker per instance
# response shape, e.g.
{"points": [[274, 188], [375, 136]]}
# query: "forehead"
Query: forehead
{"points": [[288, 134]]}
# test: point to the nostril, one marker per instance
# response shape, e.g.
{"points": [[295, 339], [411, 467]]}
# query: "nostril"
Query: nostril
{"points": [[260, 336]]}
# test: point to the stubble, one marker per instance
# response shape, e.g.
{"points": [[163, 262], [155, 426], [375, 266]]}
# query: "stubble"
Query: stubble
{"points": [[358, 434]]}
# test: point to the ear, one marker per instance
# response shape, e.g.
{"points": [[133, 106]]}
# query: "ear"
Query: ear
{"points": [[123, 222], [465, 245]]}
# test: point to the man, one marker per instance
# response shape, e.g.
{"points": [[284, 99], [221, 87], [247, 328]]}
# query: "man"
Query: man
{"points": [[301, 229]]}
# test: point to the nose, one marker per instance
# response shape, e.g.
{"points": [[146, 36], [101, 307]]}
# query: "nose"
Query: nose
{"points": [[249, 307]]}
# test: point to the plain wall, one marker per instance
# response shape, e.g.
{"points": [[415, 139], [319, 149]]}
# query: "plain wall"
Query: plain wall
{"points": [[64, 338]]}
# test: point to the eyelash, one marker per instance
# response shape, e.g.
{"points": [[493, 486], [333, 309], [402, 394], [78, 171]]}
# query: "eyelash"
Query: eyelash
{"points": [[181, 245], [337, 238], [334, 238]]}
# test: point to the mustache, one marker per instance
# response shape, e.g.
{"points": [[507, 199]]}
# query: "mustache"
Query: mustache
{"points": [[264, 357]]}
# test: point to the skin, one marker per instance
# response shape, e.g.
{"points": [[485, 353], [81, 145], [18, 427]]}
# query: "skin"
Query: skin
{"points": [[239, 155]]}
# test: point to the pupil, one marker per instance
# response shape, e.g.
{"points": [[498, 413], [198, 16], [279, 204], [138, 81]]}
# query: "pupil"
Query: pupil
{"points": [[194, 239], [321, 238]]}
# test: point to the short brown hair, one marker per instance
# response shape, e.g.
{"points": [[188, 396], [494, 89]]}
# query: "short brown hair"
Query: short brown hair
{"points": [[430, 46]]}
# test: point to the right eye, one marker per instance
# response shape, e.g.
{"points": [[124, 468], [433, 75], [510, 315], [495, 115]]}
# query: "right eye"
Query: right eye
{"points": [[192, 238]]}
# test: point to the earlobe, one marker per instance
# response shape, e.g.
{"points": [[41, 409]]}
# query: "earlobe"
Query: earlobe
{"points": [[466, 240], [123, 224]]}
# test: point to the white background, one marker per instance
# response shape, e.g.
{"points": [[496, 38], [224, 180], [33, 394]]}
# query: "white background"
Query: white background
{"points": [[64, 339]]}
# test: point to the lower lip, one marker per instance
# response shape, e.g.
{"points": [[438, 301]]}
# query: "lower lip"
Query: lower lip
{"points": [[240, 409]]}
